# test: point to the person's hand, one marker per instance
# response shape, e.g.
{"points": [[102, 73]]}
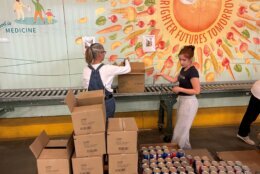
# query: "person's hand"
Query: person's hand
{"points": [[176, 89], [157, 75]]}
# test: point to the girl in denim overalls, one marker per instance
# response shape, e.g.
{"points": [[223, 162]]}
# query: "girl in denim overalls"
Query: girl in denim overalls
{"points": [[97, 75]]}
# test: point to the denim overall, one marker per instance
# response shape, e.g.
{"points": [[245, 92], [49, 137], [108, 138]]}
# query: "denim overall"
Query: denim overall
{"points": [[96, 83]]}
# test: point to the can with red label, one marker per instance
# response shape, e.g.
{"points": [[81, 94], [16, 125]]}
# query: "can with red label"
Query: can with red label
{"points": [[173, 153], [189, 159]]}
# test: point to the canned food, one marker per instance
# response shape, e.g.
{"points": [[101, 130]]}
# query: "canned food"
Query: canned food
{"points": [[215, 163], [239, 172], [173, 169], [165, 170], [173, 153], [160, 160], [181, 169], [153, 155], [230, 172], [158, 148], [237, 169], [206, 163], [169, 164], [156, 171], [180, 153], [176, 164], [146, 155], [145, 161], [222, 172], [150, 148], [175, 159], [189, 169], [221, 168], [204, 168], [213, 172], [245, 168], [204, 158], [229, 168], [144, 149], [238, 163], [153, 160], [159, 154], [230, 163], [184, 163], [223, 163], [247, 172], [161, 164], [197, 158], [147, 171], [145, 165], [191, 173], [205, 172], [165, 147], [153, 165], [189, 159], [213, 169], [168, 159], [183, 158], [166, 153]]}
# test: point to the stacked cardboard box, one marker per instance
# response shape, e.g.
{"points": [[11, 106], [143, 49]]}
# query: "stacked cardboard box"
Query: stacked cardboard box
{"points": [[88, 119], [53, 156], [122, 146]]}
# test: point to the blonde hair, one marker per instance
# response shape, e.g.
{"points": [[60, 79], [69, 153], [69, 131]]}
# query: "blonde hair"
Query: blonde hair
{"points": [[92, 52]]}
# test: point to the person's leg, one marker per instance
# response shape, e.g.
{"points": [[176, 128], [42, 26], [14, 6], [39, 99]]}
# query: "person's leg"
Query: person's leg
{"points": [[40, 14], [110, 107], [186, 114], [250, 116]]}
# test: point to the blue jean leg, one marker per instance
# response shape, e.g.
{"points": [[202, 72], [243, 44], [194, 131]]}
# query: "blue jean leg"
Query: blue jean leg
{"points": [[110, 107]]}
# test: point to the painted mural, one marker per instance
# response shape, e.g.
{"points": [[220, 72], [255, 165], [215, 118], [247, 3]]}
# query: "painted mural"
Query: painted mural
{"points": [[42, 41]]}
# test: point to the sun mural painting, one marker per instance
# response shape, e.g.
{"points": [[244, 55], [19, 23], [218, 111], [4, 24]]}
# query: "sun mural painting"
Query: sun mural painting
{"points": [[224, 32]]}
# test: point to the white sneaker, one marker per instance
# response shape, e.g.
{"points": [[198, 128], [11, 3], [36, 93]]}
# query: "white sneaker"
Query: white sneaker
{"points": [[246, 140]]}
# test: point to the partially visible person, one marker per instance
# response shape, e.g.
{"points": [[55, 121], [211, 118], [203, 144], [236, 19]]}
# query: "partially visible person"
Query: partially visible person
{"points": [[18, 9], [97, 75], [38, 11], [187, 105], [50, 16], [251, 114]]}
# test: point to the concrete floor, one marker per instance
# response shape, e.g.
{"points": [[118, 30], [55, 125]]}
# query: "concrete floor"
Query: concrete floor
{"points": [[16, 158]]}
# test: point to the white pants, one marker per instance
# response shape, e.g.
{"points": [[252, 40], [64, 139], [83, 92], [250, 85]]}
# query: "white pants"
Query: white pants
{"points": [[187, 107], [20, 14]]}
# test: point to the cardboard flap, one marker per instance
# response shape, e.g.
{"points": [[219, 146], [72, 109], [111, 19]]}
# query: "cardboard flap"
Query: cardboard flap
{"points": [[114, 124], [70, 100], [90, 98], [70, 145], [129, 124], [122, 124], [39, 143], [137, 68], [57, 143]]}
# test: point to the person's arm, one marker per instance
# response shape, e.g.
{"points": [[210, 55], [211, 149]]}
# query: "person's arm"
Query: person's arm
{"points": [[195, 87], [34, 2], [167, 77], [117, 70]]}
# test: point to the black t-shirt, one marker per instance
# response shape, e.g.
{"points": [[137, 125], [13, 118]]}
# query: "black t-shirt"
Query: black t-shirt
{"points": [[185, 77]]}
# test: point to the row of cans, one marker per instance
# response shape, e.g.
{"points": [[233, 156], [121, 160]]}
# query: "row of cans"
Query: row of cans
{"points": [[163, 153], [170, 170], [220, 167]]}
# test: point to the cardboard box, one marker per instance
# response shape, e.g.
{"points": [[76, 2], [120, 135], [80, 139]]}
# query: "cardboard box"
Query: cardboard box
{"points": [[90, 145], [89, 165], [53, 156], [133, 81], [88, 111], [121, 136], [123, 164]]}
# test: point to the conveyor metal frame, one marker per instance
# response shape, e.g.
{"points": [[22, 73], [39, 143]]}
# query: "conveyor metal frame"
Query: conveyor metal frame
{"points": [[11, 98]]}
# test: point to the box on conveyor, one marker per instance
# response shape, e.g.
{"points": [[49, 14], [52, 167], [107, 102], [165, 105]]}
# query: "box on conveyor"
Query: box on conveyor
{"points": [[133, 81], [89, 165], [87, 111], [90, 145], [53, 156], [121, 136]]}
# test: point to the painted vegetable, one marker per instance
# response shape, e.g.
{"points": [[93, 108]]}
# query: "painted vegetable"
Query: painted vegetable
{"points": [[200, 57], [110, 29], [226, 64], [101, 20], [225, 48]]}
